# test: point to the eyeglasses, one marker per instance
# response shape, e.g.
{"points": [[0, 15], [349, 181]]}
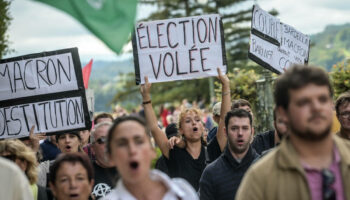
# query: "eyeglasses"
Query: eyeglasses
{"points": [[101, 140], [345, 115], [10, 157], [327, 181]]}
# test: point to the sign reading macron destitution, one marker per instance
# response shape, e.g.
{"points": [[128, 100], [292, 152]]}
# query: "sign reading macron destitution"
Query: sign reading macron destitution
{"points": [[275, 45], [45, 90], [179, 49]]}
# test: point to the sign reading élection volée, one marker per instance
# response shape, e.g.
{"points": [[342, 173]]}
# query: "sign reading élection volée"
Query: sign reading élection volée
{"points": [[275, 45], [179, 49], [45, 90]]}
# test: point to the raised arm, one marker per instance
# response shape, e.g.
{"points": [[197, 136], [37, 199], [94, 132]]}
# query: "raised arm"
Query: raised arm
{"points": [[159, 136], [225, 107]]}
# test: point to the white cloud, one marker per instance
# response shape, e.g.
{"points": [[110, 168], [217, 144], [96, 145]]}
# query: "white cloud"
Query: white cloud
{"points": [[309, 16], [37, 27]]}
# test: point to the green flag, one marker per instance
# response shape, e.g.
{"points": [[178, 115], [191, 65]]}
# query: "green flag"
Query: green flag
{"points": [[110, 20]]}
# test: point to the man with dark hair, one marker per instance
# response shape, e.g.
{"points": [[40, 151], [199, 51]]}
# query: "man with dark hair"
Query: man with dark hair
{"points": [[242, 104], [215, 149], [310, 163], [220, 179], [267, 140], [342, 108]]}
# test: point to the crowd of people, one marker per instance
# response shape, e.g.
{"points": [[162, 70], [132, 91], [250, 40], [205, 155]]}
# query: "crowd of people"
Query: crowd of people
{"points": [[300, 159]]}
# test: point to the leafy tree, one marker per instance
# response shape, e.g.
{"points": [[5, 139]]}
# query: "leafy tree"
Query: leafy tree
{"points": [[4, 23], [340, 76]]}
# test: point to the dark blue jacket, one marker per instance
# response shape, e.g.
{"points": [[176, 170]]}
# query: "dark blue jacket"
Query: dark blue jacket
{"points": [[220, 179]]}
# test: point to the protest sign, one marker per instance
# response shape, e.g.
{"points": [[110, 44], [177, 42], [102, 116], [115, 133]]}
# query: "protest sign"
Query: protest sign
{"points": [[45, 90], [179, 49], [90, 98], [275, 45]]}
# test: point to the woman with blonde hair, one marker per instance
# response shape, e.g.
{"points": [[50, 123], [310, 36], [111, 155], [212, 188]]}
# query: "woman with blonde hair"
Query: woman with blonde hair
{"points": [[24, 157], [188, 162]]}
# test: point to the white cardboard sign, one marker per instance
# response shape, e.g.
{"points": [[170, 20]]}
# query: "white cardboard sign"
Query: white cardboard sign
{"points": [[275, 45], [179, 49], [36, 76], [47, 116], [44, 89]]}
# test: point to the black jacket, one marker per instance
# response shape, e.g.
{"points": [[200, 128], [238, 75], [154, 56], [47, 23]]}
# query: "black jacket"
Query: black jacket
{"points": [[221, 179]]}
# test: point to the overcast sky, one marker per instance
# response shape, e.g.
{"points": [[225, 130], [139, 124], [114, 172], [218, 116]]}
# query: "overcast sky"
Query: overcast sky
{"points": [[37, 27]]}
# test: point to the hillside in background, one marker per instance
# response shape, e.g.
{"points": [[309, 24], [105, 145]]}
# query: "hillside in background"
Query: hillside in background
{"points": [[105, 79], [330, 46]]}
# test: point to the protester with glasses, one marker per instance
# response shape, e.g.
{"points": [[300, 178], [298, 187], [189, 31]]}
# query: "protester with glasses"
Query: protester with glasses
{"points": [[17, 152], [311, 162], [105, 172], [342, 108]]}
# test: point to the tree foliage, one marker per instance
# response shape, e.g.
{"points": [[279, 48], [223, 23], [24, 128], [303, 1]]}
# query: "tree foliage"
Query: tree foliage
{"points": [[340, 76], [4, 23], [242, 84]]}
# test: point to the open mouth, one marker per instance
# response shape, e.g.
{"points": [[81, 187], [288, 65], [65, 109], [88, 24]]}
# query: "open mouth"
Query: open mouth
{"points": [[68, 148], [195, 129], [134, 165], [240, 142], [74, 195]]}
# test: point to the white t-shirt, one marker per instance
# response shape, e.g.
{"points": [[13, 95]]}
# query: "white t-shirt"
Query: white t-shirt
{"points": [[178, 189]]}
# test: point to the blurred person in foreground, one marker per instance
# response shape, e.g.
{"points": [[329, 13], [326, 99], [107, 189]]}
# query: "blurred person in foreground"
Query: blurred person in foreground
{"points": [[24, 157], [310, 163], [129, 148], [13, 183]]}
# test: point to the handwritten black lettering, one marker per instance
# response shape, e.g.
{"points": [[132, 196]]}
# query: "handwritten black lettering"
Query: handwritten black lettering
{"points": [[199, 30], [60, 102], [51, 114], [17, 77], [36, 118], [25, 115], [191, 59], [48, 71], [44, 112], [172, 64], [149, 39], [203, 59], [184, 29], [214, 29], [38, 72], [177, 66], [154, 70], [61, 67], [3, 123], [193, 34], [140, 37], [261, 50], [13, 119], [25, 73], [3, 74], [168, 35], [159, 35]]}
